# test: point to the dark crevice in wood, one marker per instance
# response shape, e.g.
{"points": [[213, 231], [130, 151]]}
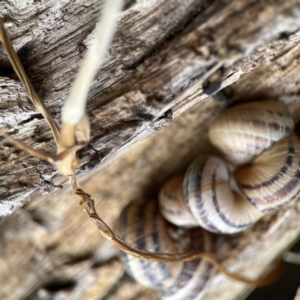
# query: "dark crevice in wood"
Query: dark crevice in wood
{"points": [[73, 260], [60, 284], [99, 264], [48, 186], [129, 3], [38, 116]]}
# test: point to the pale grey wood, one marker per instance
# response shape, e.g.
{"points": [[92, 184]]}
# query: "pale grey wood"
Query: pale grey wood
{"points": [[166, 57], [150, 78]]}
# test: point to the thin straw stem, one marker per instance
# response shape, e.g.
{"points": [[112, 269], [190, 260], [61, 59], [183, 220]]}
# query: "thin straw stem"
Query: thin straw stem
{"points": [[30, 91], [74, 107]]}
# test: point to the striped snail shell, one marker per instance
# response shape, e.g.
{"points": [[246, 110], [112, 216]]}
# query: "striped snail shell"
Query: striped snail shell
{"points": [[142, 225], [209, 199], [212, 197], [245, 131], [262, 173], [172, 204], [273, 179]]}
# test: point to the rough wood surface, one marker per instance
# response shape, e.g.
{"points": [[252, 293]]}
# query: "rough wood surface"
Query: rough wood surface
{"points": [[166, 57], [160, 65], [52, 251]]}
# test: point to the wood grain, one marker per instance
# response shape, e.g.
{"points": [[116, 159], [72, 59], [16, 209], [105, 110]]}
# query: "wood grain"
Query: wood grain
{"points": [[166, 58]]}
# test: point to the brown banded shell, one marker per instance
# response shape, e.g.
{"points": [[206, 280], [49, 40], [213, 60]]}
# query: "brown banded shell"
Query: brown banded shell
{"points": [[142, 225], [194, 274], [212, 201], [245, 131], [222, 203], [172, 204], [209, 195], [273, 179]]}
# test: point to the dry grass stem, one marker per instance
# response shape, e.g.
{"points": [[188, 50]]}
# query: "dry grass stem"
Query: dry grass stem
{"points": [[74, 107]]}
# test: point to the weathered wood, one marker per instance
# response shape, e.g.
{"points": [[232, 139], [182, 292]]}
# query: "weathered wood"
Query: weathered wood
{"points": [[166, 57], [152, 74], [51, 242]]}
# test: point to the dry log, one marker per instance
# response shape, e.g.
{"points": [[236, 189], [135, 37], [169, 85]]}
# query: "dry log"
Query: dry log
{"points": [[167, 56]]}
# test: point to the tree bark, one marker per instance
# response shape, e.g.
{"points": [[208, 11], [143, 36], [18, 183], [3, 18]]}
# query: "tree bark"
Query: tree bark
{"points": [[166, 57]]}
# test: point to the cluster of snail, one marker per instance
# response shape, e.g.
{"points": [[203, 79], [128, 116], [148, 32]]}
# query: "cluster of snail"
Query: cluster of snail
{"points": [[259, 173]]}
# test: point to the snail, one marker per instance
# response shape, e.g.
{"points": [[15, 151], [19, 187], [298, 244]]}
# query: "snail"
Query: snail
{"points": [[263, 175], [142, 225], [222, 195], [246, 130]]}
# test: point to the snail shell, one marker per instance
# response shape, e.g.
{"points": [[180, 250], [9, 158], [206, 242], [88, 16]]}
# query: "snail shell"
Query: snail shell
{"points": [[255, 136], [173, 206], [142, 225], [245, 131], [194, 275], [221, 202], [209, 199], [212, 201], [273, 179]]}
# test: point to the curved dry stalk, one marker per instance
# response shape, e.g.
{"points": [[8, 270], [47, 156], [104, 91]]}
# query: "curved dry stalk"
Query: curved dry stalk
{"points": [[52, 159], [89, 207], [30, 91]]}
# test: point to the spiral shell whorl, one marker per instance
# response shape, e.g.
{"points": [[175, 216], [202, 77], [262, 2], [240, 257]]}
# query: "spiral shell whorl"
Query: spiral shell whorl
{"points": [[273, 179], [245, 131], [143, 226], [222, 202], [172, 204], [213, 203], [257, 139], [194, 274]]}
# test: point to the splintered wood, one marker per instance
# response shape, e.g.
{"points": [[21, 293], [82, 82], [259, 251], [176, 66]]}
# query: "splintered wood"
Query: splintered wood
{"points": [[165, 58]]}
